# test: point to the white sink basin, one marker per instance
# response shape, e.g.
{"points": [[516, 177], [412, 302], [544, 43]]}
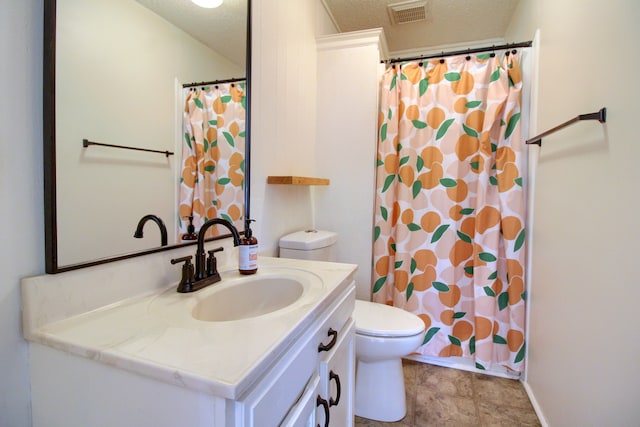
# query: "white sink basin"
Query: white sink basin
{"points": [[250, 298], [272, 291]]}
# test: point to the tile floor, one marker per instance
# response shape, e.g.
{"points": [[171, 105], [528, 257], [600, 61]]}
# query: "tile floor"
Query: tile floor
{"points": [[438, 396]]}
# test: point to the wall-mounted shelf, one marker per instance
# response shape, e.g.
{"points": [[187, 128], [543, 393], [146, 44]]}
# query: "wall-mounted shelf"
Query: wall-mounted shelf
{"points": [[296, 180]]}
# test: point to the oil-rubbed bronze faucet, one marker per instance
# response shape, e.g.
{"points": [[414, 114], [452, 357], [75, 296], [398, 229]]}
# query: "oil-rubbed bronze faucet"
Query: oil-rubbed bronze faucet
{"points": [[157, 220], [205, 270]]}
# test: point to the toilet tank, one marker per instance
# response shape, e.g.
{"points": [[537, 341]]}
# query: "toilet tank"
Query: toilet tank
{"points": [[317, 245]]}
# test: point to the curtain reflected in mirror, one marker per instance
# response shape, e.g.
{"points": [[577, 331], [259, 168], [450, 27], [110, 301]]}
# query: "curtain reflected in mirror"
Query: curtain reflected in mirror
{"points": [[212, 173]]}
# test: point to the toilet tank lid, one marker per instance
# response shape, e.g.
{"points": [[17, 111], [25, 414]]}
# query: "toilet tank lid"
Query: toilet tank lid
{"points": [[308, 239]]}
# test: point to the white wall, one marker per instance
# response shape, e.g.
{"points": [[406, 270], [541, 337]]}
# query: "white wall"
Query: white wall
{"points": [[135, 103], [303, 119], [584, 336], [21, 227], [347, 113], [283, 119], [324, 23]]}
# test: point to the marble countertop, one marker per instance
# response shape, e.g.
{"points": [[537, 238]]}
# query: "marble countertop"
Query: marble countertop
{"points": [[155, 335]]}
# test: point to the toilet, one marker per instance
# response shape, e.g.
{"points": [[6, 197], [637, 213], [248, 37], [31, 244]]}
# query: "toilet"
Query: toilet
{"points": [[384, 334]]}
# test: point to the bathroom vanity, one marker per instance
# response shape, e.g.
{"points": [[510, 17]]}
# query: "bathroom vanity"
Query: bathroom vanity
{"points": [[275, 348]]}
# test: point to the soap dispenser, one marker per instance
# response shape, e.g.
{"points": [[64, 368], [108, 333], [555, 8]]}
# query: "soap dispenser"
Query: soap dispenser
{"points": [[248, 251], [190, 235]]}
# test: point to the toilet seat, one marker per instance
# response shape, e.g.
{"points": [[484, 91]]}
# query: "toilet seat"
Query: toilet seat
{"points": [[380, 320]]}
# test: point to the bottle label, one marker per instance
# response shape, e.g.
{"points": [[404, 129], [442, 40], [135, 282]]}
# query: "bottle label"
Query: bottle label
{"points": [[248, 257]]}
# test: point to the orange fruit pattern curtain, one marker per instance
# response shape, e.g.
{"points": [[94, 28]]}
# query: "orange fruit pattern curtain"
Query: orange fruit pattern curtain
{"points": [[212, 175], [450, 206]]}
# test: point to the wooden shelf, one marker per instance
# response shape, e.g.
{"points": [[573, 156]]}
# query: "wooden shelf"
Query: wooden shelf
{"points": [[296, 180]]}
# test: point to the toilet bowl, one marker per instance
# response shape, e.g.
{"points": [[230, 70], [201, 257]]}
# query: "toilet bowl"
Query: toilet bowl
{"points": [[384, 334]]}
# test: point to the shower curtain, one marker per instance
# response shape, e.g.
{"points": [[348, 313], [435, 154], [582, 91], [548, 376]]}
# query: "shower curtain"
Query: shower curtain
{"points": [[450, 209], [212, 174]]}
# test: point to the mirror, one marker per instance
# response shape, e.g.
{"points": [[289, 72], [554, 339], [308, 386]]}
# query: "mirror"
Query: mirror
{"points": [[114, 72]]}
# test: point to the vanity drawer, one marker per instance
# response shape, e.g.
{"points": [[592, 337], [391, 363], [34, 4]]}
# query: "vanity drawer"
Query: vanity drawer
{"points": [[328, 333]]}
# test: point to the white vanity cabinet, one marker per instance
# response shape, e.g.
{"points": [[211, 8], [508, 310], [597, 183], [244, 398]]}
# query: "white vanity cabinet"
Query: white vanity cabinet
{"points": [[313, 383], [122, 365]]}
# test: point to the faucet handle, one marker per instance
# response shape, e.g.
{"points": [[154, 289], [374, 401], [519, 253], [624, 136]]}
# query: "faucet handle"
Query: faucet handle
{"points": [[213, 251], [185, 259], [212, 263], [186, 283]]}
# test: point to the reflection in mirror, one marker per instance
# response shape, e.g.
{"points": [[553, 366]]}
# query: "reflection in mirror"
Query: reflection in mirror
{"points": [[116, 77], [213, 154]]}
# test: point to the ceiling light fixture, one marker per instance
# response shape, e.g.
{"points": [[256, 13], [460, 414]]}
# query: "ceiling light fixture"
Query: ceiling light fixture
{"points": [[209, 4]]}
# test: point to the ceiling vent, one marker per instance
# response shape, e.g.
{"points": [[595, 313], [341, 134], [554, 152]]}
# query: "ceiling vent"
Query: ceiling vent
{"points": [[407, 11]]}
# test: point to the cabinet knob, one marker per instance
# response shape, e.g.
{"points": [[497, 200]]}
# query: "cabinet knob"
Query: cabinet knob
{"points": [[334, 337], [325, 405], [336, 378]]}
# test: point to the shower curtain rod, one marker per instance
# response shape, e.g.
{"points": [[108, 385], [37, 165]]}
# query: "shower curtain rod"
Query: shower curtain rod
{"points": [[459, 52], [600, 116], [213, 82]]}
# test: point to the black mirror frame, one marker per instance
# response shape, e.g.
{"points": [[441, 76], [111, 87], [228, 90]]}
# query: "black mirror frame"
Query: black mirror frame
{"points": [[49, 149]]}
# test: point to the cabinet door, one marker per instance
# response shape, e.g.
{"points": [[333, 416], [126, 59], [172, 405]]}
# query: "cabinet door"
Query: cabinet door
{"points": [[337, 378], [271, 400], [303, 413]]}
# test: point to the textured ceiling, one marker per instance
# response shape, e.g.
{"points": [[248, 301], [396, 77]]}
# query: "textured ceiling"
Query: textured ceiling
{"points": [[223, 29], [448, 22]]}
